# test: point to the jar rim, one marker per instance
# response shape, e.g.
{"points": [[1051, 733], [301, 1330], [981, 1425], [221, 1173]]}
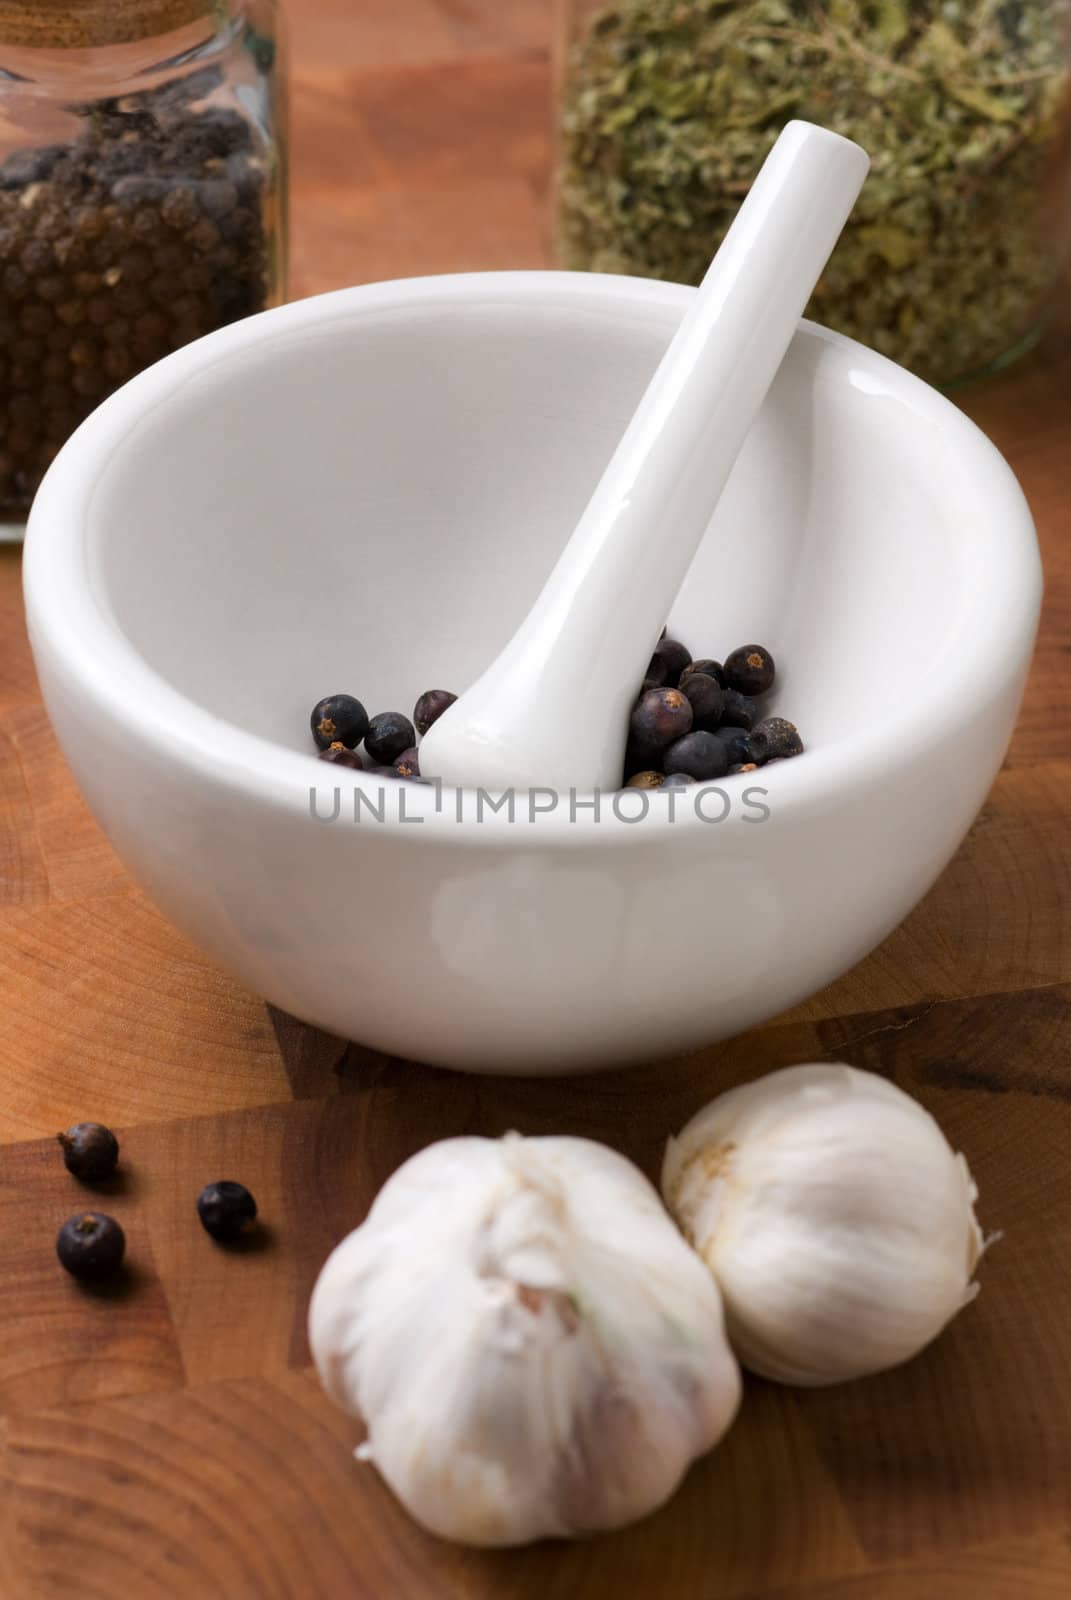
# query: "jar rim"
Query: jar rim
{"points": [[90, 24]]}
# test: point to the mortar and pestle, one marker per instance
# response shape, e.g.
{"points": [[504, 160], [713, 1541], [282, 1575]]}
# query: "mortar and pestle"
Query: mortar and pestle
{"points": [[504, 484]]}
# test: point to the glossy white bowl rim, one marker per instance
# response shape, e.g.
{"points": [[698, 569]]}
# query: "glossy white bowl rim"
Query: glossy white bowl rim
{"points": [[67, 602]]}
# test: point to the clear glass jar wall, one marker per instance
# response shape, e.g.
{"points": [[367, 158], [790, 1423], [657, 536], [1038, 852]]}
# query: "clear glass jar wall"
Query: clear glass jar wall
{"points": [[142, 201], [959, 239]]}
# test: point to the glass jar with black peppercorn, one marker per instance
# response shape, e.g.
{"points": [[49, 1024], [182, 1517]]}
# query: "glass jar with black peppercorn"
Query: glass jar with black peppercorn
{"points": [[142, 200]]}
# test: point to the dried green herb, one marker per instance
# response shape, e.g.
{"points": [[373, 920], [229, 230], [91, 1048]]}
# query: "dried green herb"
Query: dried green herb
{"points": [[672, 105]]}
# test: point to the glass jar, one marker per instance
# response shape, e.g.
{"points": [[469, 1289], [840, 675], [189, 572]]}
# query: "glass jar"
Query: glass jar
{"points": [[142, 200], [668, 108]]}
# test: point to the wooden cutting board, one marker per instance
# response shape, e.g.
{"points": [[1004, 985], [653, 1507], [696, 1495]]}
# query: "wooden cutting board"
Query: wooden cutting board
{"points": [[169, 1440]]}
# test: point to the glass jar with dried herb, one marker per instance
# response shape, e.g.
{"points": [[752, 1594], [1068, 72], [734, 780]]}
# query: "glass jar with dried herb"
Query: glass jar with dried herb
{"points": [[669, 107], [142, 200]]}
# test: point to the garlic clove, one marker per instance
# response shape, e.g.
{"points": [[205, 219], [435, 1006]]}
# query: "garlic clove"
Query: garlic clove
{"points": [[835, 1217]]}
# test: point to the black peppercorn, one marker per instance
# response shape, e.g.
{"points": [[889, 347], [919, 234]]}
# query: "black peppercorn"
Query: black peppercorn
{"points": [[184, 333], [135, 265], [151, 326], [737, 743], [14, 282], [338, 719], [227, 1210], [53, 287], [775, 739], [707, 666], [218, 197], [88, 383], [204, 235], [29, 166], [430, 707], [37, 318], [179, 208], [660, 717], [339, 756], [91, 1245], [749, 669], [675, 657], [700, 755], [36, 258], [168, 255], [24, 407], [388, 735], [738, 710], [136, 190], [705, 696], [118, 332], [238, 224], [197, 277], [90, 1151]]}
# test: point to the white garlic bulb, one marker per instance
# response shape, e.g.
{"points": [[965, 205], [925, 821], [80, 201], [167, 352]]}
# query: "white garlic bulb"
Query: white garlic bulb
{"points": [[532, 1345], [835, 1217]]}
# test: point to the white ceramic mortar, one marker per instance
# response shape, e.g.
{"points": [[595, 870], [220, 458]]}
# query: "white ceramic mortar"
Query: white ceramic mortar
{"points": [[364, 492]]}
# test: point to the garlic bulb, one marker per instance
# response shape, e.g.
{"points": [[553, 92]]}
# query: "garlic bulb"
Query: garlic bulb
{"points": [[532, 1345], [835, 1216]]}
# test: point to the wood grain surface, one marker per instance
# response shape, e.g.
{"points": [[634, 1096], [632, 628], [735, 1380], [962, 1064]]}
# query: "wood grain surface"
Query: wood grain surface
{"points": [[168, 1439]]}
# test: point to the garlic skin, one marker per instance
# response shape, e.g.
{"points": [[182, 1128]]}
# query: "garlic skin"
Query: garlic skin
{"points": [[835, 1217], [532, 1345]]}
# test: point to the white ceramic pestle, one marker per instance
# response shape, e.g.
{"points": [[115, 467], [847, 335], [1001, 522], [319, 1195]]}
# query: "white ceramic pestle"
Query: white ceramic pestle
{"points": [[552, 709]]}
